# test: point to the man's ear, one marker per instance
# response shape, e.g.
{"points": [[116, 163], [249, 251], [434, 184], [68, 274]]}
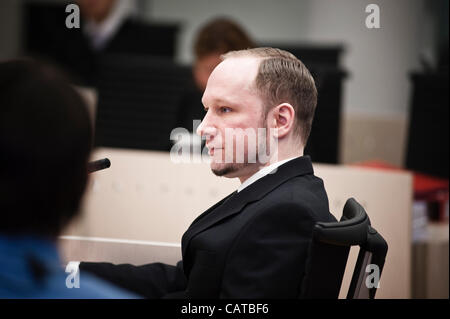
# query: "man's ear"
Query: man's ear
{"points": [[282, 120]]}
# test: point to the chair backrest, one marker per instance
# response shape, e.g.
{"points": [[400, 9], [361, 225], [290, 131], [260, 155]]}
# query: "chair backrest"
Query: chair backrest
{"points": [[370, 262], [328, 254]]}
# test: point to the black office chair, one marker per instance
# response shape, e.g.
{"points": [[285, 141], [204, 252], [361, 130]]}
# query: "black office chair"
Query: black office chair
{"points": [[328, 254]]}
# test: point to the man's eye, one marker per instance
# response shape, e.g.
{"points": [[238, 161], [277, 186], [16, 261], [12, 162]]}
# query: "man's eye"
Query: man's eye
{"points": [[224, 109]]}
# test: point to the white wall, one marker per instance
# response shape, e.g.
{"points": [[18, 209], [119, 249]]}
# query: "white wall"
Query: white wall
{"points": [[378, 60]]}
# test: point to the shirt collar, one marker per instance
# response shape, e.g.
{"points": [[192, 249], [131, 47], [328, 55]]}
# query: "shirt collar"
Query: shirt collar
{"points": [[100, 33], [261, 173]]}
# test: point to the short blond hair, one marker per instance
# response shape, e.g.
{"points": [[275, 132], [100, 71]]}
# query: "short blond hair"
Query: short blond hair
{"points": [[282, 78]]}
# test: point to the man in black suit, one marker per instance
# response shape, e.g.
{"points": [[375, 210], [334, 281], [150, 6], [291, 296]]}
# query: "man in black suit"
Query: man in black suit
{"points": [[253, 243]]}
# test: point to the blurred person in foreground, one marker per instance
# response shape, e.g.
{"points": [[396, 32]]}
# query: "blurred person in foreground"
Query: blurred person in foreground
{"points": [[45, 142], [253, 243], [216, 37]]}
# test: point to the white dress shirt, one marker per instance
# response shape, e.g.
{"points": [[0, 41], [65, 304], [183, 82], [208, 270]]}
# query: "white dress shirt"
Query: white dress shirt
{"points": [[261, 173], [99, 34]]}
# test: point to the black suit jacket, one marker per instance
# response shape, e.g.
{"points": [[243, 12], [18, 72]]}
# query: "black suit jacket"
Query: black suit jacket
{"points": [[251, 244]]}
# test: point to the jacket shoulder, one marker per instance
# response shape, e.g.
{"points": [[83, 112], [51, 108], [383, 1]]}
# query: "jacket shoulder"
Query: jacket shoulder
{"points": [[300, 194]]}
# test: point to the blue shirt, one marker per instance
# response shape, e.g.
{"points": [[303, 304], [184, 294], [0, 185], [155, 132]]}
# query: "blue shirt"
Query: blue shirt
{"points": [[30, 267]]}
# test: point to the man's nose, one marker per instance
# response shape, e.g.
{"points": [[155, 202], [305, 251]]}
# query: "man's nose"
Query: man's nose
{"points": [[206, 128]]}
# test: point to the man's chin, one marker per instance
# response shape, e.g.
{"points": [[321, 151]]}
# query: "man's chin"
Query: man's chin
{"points": [[226, 170]]}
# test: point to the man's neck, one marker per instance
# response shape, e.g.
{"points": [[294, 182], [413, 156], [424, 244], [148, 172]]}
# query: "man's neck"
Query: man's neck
{"points": [[275, 158]]}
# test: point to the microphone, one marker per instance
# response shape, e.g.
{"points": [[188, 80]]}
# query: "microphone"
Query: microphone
{"points": [[98, 165]]}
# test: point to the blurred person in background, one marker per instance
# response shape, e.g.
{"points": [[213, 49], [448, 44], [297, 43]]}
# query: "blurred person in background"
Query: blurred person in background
{"points": [[216, 37], [103, 19], [45, 142], [107, 27]]}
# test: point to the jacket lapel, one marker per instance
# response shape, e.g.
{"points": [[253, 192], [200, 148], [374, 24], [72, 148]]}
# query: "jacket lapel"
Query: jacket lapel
{"points": [[209, 210], [235, 202]]}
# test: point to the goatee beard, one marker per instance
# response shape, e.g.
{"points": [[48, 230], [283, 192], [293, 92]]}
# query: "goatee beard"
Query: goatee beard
{"points": [[225, 170]]}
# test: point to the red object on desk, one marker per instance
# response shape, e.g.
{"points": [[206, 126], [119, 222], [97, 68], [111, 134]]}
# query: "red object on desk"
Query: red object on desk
{"points": [[425, 187]]}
